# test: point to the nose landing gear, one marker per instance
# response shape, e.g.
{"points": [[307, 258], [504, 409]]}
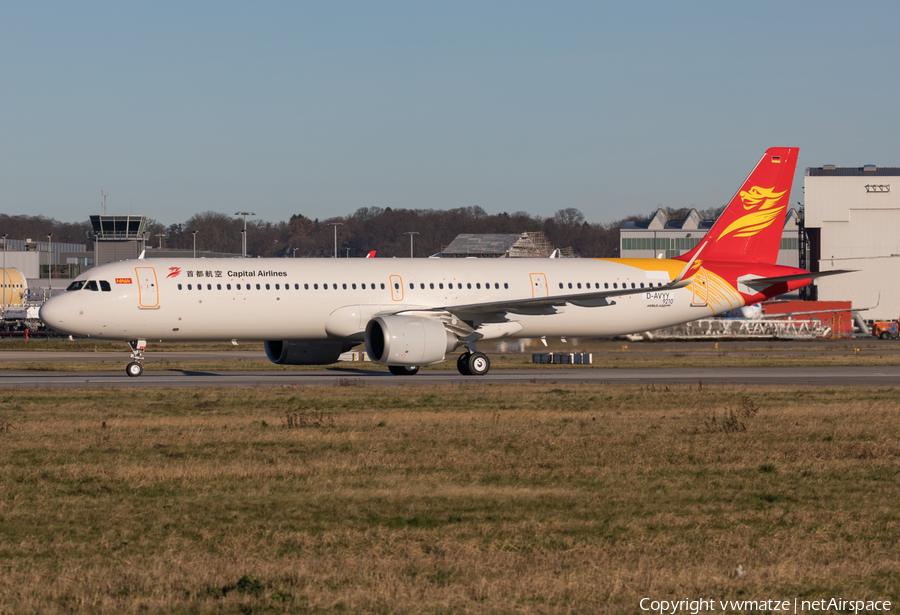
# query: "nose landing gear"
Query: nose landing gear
{"points": [[135, 369]]}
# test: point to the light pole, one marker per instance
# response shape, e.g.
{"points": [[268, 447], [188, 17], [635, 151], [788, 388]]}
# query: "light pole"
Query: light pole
{"points": [[50, 263], [194, 233], [4, 274], [160, 235], [335, 225], [295, 251], [411, 234], [244, 232]]}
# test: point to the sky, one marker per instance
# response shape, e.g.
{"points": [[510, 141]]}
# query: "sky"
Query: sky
{"points": [[282, 108]]}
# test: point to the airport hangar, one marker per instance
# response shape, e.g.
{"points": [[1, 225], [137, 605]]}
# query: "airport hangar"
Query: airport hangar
{"points": [[853, 222]]}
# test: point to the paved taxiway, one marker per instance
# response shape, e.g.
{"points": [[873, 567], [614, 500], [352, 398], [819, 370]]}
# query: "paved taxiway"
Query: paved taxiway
{"points": [[813, 376]]}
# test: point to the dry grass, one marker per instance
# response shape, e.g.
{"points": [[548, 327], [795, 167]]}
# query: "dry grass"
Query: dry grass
{"points": [[478, 499]]}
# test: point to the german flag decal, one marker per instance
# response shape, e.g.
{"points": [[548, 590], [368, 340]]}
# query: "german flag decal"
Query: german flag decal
{"points": [[123, 280]]}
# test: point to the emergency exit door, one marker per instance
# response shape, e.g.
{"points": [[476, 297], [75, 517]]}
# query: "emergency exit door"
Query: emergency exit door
{"points": [[539, 285]]}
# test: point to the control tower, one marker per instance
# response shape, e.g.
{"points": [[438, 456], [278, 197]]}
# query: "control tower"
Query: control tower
{"points": [[117, 238]]}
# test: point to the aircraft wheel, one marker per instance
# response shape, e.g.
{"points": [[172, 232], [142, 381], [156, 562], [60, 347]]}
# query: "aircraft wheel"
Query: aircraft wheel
{"points": [[462, 364], [479, 364], [134, 369], [404, 370]]}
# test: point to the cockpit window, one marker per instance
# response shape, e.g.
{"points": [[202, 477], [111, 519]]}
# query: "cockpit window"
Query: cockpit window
{"points": [[104, 286], [91, 285], [76, 285]]}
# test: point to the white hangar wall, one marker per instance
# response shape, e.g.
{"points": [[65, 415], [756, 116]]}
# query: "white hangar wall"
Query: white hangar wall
{"points": [[853, 222]]}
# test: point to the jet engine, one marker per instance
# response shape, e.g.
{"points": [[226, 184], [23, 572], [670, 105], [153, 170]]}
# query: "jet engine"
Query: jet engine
{"points": [[306, 352], [408, 340]]}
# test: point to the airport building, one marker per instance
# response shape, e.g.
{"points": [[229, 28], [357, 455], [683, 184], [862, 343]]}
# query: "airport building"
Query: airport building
{"points": [[852, 220], [659, 237]]}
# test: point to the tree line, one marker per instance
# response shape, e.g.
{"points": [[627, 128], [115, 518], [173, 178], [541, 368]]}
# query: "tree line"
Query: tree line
{"points": [[368, 228]]}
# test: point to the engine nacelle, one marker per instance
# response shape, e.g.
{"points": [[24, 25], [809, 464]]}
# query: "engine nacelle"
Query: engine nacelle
{"points": [[408, 340], [306, 352]]}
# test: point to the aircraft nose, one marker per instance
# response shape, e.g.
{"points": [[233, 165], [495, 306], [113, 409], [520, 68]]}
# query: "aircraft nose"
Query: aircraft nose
{"points": [[51, 313]]}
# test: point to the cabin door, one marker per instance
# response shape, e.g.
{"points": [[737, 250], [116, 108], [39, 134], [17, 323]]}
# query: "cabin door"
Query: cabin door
{"points": [[700, 287], [148, 290]]}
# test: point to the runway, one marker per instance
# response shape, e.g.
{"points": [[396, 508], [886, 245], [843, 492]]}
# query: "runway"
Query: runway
{"points": [[810, 376]]}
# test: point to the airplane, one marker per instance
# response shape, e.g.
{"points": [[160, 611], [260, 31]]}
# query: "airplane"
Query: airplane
{"points": [[411, 312]]}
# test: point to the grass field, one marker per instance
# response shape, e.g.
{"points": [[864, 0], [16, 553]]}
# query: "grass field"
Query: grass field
{"points": [[461, 499]]}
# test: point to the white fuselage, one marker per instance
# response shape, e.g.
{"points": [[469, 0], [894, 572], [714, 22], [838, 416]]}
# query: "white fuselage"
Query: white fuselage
{"points": [[310, 299]]}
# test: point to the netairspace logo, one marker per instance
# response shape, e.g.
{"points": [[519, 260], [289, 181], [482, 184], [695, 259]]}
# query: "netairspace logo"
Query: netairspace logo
{"points": [[695, 607]]}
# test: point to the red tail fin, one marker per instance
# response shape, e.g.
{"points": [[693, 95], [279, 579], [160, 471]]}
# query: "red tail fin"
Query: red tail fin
{"points": [[750, 228]]}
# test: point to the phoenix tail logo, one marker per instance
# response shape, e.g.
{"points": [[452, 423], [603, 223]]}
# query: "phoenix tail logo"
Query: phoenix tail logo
{"points": [[762, 203], [173, 272]]}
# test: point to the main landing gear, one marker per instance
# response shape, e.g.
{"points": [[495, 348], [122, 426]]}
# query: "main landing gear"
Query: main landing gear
{"points": [[473, 364], [404, 370], [135, 369]]}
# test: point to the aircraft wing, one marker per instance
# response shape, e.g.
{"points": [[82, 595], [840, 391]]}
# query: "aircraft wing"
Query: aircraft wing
{"points": [[547, 305]]}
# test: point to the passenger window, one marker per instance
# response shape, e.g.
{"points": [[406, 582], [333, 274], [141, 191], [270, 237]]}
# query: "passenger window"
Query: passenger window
{"points": [[615, 285], [411, 286], [364, 287], [91, 285], [209, 287], [642, 285], [606, 285], [344, 286], [353, 286], [189, 287], [104, 286], [422, 285], [218, 287], [570, 285], [560, 284], [238, 287], [441, 285], [228, 286], [315, 287], [431, 285], [505, 285], [468, 285], [179, 287], [382, 286], [478, 285], [396, 286], [267, 287], [276, 287], [324, 286], [257, 287], [74, 285], [579, 285], [632, 285]]}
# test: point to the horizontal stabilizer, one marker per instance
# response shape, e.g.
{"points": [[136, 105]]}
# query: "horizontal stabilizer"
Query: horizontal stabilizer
{"points": [[763, 282]]}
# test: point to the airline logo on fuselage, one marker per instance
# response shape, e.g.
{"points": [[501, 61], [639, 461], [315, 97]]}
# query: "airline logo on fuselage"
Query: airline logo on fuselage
{"points": [[254, 274], [173, 272]]}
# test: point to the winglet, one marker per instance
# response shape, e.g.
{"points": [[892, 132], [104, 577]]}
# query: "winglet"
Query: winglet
{"points": [[689, 263]]}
